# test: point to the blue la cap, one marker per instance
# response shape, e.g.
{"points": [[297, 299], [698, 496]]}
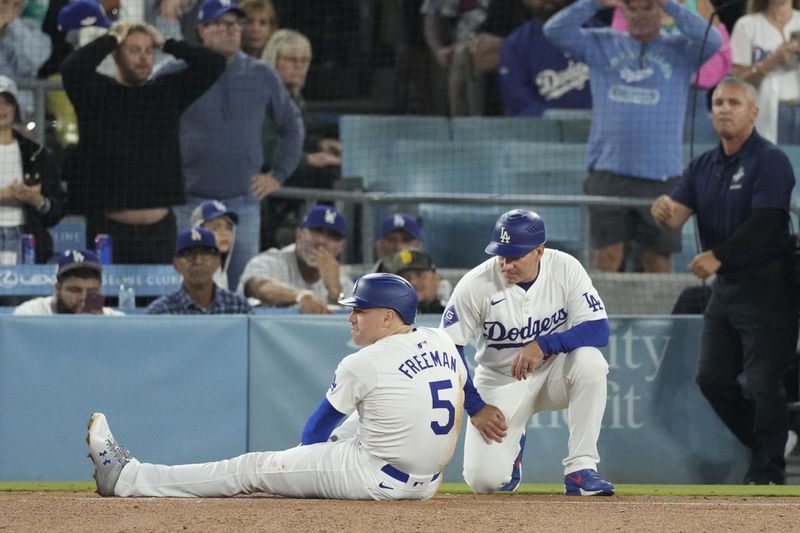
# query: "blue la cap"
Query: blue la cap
{"points": [[82, 14], [211, 210], [75, 259], [325, 216], [196, 238], [212, 10], [403, 222]]}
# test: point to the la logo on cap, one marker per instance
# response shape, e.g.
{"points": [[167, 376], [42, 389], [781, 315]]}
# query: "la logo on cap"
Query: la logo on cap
{"points": [[77, 257], [399, 221], [505, 238], [330, 216], [196, 235], [219, 206], [225, 3], [88, 21]]}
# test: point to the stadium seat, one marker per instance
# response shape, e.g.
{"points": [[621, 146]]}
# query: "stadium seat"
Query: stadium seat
{"points": [[366, 140], [528, 129]]}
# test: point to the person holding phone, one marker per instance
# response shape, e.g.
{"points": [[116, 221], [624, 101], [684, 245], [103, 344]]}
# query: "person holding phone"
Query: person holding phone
{"points": [[30, 196], [766, 45], [77, 289]]}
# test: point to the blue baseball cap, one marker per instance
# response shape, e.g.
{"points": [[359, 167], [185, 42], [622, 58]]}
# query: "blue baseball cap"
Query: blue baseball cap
{"points": [[403, 222], [211, 210], [82, 14], [75, 259], [196, 238], [325, 216], [213, 10]]}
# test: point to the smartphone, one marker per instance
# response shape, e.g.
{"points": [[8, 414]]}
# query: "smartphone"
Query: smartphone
{"points": [[93, 303]]}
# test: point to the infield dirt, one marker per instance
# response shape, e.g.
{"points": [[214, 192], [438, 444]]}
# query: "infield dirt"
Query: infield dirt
{"points": [[82, 512]]}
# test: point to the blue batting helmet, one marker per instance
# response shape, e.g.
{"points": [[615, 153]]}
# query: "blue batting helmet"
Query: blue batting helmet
{"points": [[384, 290], [516, 233]]}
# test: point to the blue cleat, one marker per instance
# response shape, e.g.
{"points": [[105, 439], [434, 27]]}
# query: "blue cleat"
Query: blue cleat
{"points": [[587, 482]]}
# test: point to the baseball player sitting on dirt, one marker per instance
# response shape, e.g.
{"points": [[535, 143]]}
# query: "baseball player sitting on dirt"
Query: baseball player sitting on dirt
{"points": [[406, 384], [537, 321]]}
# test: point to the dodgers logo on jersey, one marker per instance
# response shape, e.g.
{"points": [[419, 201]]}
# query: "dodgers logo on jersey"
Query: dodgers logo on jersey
{"points": [[594, 304], [450, 317], [500, 336]]}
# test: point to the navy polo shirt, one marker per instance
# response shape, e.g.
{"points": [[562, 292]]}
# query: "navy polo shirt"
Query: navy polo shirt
{"points": [[724, 190]]}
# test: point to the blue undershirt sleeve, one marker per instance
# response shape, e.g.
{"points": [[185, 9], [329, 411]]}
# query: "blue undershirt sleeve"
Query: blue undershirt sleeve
{"points": [[321, 423], [472, 399], [592, 333]]}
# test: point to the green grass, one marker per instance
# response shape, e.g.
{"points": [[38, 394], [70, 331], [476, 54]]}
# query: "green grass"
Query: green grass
{"points": [[652, 490], [461, 488]]}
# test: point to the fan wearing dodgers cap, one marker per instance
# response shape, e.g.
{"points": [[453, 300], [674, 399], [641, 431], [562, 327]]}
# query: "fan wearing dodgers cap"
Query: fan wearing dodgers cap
{"points": [[399, 231], [125, 173], [537, 322], [77, 288], [306, 273], [215, 216], [196, 259]]}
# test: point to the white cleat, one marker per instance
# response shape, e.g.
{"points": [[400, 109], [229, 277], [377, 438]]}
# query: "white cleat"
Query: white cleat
{"points": [[108, 457]]}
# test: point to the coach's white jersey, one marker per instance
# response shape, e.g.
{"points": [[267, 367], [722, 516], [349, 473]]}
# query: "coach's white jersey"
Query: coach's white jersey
{"points": [[398, 384], [502, 318]]}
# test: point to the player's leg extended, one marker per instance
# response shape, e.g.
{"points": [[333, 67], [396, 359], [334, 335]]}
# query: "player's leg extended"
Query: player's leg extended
{"points": [[324, 470], [490, 467]]}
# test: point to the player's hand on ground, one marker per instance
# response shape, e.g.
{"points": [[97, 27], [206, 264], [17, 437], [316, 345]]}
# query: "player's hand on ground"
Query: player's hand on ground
{"points": [[527, 360], [263, 184], [490, 423], [704, 264]]}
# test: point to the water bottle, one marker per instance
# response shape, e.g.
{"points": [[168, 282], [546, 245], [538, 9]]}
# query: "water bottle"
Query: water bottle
{"points": [[127, 298]]}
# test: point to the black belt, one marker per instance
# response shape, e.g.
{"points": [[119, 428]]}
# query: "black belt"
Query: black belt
{"points": [[399, 475]]}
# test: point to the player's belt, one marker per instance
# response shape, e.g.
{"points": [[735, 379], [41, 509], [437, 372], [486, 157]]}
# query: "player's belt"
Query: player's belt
{"points": [[401, 476]]}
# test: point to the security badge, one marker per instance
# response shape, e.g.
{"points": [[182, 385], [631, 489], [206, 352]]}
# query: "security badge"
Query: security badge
{"points": [[736, 179]]}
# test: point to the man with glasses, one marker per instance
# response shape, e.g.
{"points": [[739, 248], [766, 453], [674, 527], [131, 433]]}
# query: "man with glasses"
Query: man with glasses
{"points": [[307, 272], [196, 259], [220, 134]]}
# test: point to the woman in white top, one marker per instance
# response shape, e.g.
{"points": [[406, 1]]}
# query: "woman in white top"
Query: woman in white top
{"points": [[30, 195], [766, 45]]}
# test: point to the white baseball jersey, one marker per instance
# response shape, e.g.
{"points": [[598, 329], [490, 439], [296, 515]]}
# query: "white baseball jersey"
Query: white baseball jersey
{"points": [[502, 318], [408, 392], [393, 384]]}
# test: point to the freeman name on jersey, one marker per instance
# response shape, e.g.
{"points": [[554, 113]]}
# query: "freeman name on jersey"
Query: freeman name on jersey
{"points": [[425, 360]]}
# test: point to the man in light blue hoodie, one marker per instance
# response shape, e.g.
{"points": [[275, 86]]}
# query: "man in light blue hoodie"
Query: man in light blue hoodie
{"points": [[220, 133], [640, 86]]}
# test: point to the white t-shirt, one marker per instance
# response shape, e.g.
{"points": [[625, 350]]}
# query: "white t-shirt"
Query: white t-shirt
{"points": [[10, 170], [752, 40], [46, 306], [281, 265], [408, 390], [501, 318]]}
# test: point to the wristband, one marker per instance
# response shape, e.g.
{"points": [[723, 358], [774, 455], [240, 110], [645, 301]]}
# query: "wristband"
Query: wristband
{"points": [[302, 294]]}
